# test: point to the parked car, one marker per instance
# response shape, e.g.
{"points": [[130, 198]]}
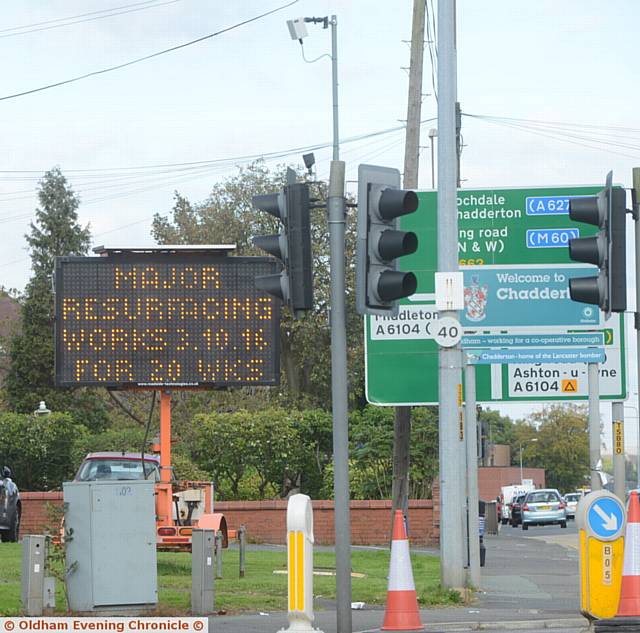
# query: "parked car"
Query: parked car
{"points": [[115, 466], [571, 499], [543, 507], [516, 510], [10, 507]]}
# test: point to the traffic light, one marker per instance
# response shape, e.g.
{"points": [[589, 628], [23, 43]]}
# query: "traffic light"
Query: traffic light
{"points": [[294, 284], [379, 283], [606, 249]]}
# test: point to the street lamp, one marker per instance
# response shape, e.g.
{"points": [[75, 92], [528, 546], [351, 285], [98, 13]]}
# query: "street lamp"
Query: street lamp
{"points": [[42, 409], [531, 441], [298, 31], [336, 212]]}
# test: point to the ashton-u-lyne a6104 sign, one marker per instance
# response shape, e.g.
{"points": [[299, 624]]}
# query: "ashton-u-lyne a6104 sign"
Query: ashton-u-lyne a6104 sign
{"points": [[165, 319]]}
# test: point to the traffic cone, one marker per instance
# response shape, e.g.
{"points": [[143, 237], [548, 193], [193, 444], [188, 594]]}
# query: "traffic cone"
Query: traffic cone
{"points": [[629, 604], [401, 613]]}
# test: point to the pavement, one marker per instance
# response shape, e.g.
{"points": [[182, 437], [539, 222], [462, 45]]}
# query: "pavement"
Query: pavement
{"points": [[530, 583]]}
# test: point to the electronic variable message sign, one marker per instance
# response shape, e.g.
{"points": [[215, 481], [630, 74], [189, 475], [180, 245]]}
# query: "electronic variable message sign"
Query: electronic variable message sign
{"points": [[165, 320]]}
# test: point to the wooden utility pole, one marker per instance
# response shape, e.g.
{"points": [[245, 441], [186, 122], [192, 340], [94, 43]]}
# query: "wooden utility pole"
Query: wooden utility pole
{"points": [[402, 421]]}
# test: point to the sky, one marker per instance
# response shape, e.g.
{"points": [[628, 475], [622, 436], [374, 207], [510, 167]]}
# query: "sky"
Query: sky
{"points": [[567, 71]]}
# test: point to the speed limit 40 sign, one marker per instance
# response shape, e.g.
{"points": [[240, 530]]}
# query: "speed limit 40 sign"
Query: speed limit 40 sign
{"points": [[447, 332]]}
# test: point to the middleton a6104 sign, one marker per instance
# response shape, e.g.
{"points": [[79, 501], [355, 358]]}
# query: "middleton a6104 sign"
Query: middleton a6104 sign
{"points": [[165, 319]]}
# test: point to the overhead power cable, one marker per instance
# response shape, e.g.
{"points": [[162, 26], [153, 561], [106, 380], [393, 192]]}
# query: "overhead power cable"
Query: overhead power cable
{"points": [[601, 138], [374, 147], [83, 17], [95, 73], [102, 172]]}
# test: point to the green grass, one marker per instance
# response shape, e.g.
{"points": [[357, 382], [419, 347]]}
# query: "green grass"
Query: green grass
{"points": [[260, 589]]}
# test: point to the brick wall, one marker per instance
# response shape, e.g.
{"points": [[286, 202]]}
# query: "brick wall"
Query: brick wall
{"points": [[370, 521], [36, 516], [266, 520]]}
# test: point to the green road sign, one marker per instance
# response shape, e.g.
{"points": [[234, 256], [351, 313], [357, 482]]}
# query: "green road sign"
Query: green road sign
{"points": [[517, 229]]}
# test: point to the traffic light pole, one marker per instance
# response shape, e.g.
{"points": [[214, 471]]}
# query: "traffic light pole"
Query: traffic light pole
{"points": [[336, 212], [451, 450]]}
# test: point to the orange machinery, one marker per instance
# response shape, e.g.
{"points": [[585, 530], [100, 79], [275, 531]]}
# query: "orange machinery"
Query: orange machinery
{"points": [[181, 505]]}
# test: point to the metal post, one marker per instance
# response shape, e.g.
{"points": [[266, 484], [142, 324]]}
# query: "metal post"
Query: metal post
{"points": [[471, 439], [165, 436], [619, 454], [164, 490], [34, 563], [336, 211], [242, 544], [594, 425], [202, 577], [451, 451], [334, 83], [636, 217]]}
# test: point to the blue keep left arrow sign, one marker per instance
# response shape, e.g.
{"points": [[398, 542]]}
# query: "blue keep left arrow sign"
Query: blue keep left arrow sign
{"points": [[606, 517]]}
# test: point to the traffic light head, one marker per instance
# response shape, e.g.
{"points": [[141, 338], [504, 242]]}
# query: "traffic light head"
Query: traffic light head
{"points": [[273, 203], [379, 283], [606, 250], [292, 246]]}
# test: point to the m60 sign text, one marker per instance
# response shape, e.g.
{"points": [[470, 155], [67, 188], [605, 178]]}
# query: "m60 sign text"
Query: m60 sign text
{"points": [[165, 319]]}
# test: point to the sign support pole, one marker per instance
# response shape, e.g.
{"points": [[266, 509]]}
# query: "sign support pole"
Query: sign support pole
{"points": [[451, 450], [635, 211], [471, 440], [619, 475], [165, 514], [594, 426]]}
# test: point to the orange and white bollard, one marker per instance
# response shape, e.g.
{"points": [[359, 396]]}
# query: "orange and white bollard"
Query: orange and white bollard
{"points": [[402, 612], [630, 592]]}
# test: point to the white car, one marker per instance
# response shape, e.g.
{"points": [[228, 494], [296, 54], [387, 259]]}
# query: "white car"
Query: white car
{"points": [[572, 499]]}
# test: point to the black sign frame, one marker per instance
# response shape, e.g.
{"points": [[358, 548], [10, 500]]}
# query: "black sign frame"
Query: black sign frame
{"points": [[238, 270]]}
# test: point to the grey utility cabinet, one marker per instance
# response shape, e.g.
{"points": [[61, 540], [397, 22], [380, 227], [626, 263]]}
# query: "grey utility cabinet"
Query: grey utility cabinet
{"points": [[111, 546]]}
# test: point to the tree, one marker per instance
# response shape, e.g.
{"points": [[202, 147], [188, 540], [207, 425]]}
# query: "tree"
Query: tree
{"points": [[263, 453], [55, 232], [227, 216], [40, 448], [220, 446], [496, 428], [371, 466], [9, 326], [562, 446]]}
